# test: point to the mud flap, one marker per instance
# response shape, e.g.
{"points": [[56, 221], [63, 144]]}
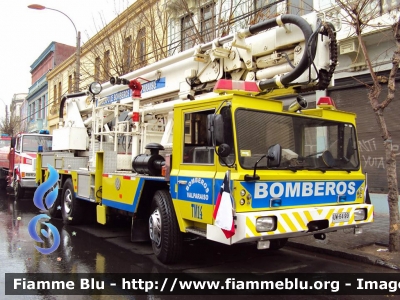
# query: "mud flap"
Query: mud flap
{"points": [[139, 230], [101, 214]]}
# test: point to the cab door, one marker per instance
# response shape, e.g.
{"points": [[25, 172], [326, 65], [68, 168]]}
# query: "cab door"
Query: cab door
{"points": [[194, 185]]}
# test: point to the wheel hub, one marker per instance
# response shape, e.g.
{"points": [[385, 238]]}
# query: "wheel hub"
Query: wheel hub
{"points": [[155, 227], [67, 201], [15, 186]]}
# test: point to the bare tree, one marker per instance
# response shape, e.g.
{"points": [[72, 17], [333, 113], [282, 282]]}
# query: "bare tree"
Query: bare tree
{"points": [[202, 22], [133, 39], [9, 124], [361, 15], [142, 34]]}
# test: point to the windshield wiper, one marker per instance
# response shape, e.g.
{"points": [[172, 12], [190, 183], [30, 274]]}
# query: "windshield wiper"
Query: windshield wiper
{"points": [[324, 169], [293, 168]]}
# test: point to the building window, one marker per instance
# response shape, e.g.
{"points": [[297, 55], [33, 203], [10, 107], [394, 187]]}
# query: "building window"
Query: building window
{"points": [[141, 47], [127, 55], [207, 23], [299, 7], [59, 92], [33, 111], [265, 9], [70, 84], [44, 106], [54, 94], [40, 108], [188, 36], [106, 65], [97, 64]]}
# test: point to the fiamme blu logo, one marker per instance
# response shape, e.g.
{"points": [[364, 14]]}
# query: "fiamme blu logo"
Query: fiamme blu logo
{"points": [[44, 197]]}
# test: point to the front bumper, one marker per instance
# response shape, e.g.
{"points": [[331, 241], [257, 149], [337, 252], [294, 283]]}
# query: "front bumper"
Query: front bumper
{"points": [[290, 223], [28, 183]]}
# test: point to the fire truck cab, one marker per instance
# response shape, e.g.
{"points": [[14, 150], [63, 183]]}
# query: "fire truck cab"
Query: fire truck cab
{"points": [[22, 159]]}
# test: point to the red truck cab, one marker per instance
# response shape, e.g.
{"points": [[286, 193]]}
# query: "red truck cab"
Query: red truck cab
{"points": [[22, 160]]}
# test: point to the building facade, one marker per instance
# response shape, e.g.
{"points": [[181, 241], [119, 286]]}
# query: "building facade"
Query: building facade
{"points": [[119, 48], [15, 111], [35, 112], [350, 89]]}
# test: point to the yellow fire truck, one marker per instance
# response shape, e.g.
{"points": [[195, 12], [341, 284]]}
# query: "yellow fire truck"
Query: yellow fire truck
{"points": [[216, 141]]}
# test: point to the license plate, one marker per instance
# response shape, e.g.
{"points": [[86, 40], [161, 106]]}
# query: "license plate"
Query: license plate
{"points": [[340, 217]]}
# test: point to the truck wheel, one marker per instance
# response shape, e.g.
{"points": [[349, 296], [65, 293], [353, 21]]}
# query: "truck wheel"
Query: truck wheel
{"points": [[18, 190], [72, 212], [277, 244], [166, 238], [54, 210], [3, 184]]}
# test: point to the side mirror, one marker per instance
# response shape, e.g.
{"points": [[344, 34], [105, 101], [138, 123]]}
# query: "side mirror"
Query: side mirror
{"points": [[274, 155], [13, 140], [274, 160], [224, 150], [215, 130], [328, 159]]}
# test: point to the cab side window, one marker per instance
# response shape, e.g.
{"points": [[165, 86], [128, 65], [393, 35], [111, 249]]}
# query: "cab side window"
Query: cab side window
{"points": [[196, 150]]}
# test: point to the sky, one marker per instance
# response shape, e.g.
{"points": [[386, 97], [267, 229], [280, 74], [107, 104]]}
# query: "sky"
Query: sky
{"points": [[25, 33]]}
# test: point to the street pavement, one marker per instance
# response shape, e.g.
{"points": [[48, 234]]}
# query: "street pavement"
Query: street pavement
{"points": [[368, 247]]}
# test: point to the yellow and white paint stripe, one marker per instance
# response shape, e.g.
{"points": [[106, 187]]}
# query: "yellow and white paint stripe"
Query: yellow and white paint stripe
{"points": [[293, 222]]}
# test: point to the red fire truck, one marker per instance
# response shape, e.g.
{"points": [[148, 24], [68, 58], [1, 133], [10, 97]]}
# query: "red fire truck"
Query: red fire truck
{"points": [[18, 159]]}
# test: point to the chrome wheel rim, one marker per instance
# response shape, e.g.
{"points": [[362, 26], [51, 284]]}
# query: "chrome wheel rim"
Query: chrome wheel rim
{"points": [[155, 227], [67, 201]]}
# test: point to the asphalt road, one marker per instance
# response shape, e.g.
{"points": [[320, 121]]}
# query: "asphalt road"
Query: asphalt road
{"points": [[94, 248]]}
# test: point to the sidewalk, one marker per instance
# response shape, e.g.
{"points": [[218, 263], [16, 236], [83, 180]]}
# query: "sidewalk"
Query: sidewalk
{"points": [[368, 247]]}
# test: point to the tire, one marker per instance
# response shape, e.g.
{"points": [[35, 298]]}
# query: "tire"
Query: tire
{"points": [[18, 190], [3, 184], [71, 208], [54, 210], [165, 236], [277, 244]]}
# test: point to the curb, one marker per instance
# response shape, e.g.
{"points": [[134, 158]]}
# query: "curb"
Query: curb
{"points": [[346, 254]]}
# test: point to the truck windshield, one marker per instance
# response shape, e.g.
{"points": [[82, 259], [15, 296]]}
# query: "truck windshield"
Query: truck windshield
{"points": [[30, 143], [307, 143]]}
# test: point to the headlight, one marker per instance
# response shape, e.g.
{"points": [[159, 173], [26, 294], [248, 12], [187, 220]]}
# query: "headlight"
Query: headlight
{"points": [[360, 214], [95, 88], [266, 224]]}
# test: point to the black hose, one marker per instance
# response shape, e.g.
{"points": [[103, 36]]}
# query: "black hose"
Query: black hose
{"points": [[305, 60], [64, 98]]}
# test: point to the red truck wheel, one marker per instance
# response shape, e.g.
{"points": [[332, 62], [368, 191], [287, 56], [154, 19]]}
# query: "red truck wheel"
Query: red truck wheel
{"points": [[18, 190]]}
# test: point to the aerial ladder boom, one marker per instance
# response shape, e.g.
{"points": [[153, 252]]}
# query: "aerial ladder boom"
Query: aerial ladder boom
{"points": [[282, 53], [283, 56]]}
